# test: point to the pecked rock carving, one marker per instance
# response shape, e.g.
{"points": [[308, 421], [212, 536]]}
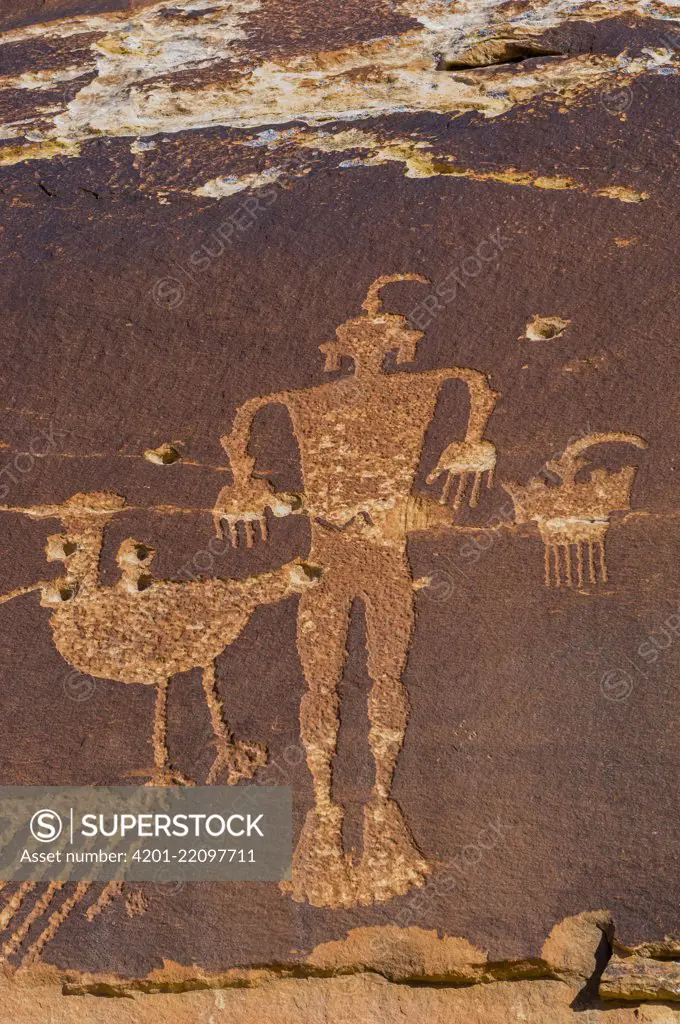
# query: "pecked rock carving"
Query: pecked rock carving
{"points": [[575, 513], [460, 459], [144, 631], [360, 440]]}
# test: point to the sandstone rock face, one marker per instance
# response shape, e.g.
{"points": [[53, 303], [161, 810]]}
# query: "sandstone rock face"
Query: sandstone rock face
{"points": [[638, 978], [338, 445]]}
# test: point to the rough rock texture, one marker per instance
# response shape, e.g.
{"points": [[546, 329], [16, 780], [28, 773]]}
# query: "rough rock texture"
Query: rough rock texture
{"points": [[338, 366], [344, 1000], [355, 980], [638, 978]]}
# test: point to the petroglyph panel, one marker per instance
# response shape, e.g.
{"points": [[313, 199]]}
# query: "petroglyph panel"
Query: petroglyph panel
{"points": [[339, 442]]}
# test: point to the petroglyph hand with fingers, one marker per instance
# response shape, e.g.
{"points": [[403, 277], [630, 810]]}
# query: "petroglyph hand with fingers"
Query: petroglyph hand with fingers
{"points": [[244, 504], [461, 460]]}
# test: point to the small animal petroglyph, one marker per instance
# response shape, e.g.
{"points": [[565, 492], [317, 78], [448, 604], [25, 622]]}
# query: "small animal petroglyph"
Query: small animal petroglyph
{"points": [[361, 440], [575, 514]]}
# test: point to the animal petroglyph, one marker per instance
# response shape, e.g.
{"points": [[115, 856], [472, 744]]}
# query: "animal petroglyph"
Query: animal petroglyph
{"points": [[142, 630], [360, 441], [575, 514]]}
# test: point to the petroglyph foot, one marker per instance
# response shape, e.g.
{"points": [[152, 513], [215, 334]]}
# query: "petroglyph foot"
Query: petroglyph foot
{"points": [[321, 869], [240, 759], [391, 863]]}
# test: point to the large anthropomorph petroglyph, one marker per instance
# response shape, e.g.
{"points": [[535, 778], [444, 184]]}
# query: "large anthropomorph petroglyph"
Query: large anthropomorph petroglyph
{"points": [[360, 440]]}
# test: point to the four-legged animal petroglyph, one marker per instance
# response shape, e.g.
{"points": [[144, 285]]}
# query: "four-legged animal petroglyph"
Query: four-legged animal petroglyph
{"points": [[575, 514]]}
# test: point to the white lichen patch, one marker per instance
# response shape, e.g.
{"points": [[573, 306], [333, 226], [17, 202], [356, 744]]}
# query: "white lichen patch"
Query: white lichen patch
{"points": [[48, 78], [622, 193], [37, 151], [143, 145], [138, 56], [217, 188], [420, 161]]}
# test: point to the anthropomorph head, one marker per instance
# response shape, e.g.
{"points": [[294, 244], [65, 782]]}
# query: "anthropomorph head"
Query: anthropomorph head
{"points": [[367, 339]]}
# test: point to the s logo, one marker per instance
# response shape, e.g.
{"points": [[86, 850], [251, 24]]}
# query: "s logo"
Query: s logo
{"points": [[46, 826]]}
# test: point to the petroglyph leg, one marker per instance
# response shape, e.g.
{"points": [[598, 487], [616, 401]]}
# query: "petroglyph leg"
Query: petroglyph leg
{"points": [[567, 562], [321, 870], [591, 562], [391, 863], [162, 774], [389, 624], [603, 561], [579, 562], [240, 759]]}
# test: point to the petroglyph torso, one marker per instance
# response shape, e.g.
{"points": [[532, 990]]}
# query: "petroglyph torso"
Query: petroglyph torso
{"points": [[361, 440]]}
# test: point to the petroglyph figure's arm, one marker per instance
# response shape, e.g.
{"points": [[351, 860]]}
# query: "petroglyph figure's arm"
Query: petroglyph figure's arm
{"points": [[245, 502], [24, 590], [236, 443], [473, 455]]}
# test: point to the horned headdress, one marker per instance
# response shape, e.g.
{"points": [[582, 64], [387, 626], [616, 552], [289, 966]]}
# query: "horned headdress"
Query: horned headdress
{"points": [[375, 332]]}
